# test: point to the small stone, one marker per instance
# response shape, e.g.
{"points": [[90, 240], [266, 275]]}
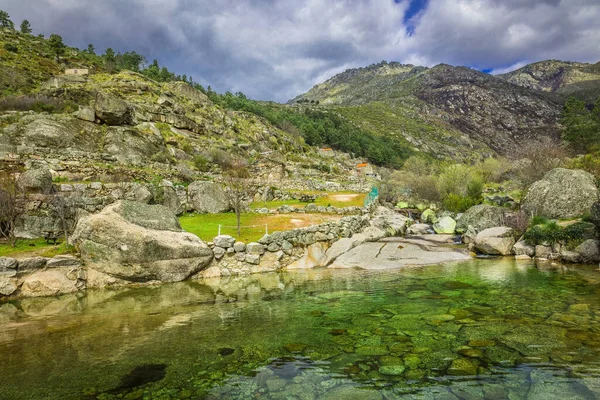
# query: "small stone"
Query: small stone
{"points": [[240, 257], [7, 263], [224, 241], [287, 247], [239, 247], [255, 248], [96, 185], [294, 347], [7, 287], [273, 247], [219, 252], [230, 251], [253, 259]]}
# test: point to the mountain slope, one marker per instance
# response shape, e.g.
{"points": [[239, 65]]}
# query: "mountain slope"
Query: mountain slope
{"points": [[467, 112], [580, 80]]}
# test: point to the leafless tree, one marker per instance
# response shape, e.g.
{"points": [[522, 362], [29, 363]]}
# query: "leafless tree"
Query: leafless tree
{"points": [[239, 188], [535, 159], [64, 208], [13, 200]]}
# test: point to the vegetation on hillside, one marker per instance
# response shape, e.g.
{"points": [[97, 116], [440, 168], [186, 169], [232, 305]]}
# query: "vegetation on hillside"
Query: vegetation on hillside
{"points": [[320, 127]]}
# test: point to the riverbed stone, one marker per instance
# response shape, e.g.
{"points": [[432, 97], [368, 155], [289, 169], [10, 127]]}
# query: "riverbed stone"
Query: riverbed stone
{"points": [[7, 286], [140, 242], [420, 229], [589, 250], [462, 367], [495, 241], [522, 248], [48, 283]]}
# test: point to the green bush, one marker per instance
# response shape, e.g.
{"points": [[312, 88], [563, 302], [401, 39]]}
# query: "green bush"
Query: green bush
{"points": [[201, 163], [457, 203], [11, 47], [546, 232]]}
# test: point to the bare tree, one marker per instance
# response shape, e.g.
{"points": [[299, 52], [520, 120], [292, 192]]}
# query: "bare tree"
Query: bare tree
{"points": [[239, 188], [12, 206], [535, 159], [64, 208]]}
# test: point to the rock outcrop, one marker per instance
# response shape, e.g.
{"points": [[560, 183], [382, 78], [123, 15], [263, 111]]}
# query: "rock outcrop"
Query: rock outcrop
{"points": [[139, 242], [36, 181], [207, 197], [562, 193], [112, 110]]}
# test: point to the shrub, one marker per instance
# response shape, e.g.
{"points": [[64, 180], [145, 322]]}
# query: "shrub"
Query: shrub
{"points": [[37, 104], [535, 159], [221, 158], [11, 47], [457, 203], [547, 234], [201, 163]]}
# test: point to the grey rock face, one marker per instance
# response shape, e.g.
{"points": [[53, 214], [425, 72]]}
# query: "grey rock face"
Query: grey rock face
{"points": [[63, 261], [112, 110], [32, 264], [589, 250], [36, 180], [563, 193], [207, 197], [7, 287]]}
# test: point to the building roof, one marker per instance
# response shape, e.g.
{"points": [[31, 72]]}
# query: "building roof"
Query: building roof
{"points": [[362, 165]]}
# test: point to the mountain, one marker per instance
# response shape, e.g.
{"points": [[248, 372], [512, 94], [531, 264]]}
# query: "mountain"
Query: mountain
{"points": [[449, 111], [580, 80]]}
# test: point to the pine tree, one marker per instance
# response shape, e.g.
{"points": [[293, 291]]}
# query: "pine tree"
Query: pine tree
{"points": [[5, 21], [57, 45], [26, 27]]}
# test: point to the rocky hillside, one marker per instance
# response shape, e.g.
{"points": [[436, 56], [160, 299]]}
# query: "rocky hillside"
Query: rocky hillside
{"points": [[126, 126], [580, 80], [449, 111]]}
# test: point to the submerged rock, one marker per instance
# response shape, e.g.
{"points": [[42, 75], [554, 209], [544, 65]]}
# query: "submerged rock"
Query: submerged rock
{"points": [[140, 242]]}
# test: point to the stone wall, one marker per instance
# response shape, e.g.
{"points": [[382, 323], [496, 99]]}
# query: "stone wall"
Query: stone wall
{"points": [[279, 250]]}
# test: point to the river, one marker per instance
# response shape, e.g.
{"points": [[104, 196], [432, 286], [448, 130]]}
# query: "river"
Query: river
{"points": [[489, 329]]}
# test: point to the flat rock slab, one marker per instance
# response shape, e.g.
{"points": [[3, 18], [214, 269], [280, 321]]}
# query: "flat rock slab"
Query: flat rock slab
{"points": [[402, 253]]}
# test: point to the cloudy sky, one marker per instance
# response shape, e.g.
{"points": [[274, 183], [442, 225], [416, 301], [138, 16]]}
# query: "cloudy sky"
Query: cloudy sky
{"points": [[276, 49]]}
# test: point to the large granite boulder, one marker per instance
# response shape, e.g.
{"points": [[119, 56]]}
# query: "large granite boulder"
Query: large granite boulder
{"points": [[112, 110], [36, 181], [481, 217], [562, 193], [140, 242], [207, 197], [495, 241]]}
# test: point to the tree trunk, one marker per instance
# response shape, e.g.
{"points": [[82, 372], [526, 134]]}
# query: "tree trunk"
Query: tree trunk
{"points": [[238, 216]]}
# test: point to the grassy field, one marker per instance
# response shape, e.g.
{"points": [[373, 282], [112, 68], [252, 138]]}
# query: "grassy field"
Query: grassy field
{"points": [[338, 199], [32, 247], [254, 225]]}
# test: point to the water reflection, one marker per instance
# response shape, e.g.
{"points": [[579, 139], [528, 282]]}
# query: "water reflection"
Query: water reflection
{"points": [[483, 329]]}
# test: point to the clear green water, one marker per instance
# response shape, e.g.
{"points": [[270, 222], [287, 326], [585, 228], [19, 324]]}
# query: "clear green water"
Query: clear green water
{"points": [[490, 329]]}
